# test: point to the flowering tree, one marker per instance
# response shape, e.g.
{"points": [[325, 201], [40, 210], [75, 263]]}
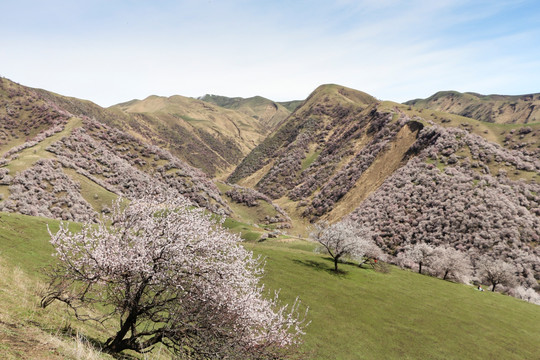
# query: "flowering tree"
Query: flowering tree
{"points": [[344, 239], [495, 272], [418, 254], [527, 294], [169, 274], [448, 262]]}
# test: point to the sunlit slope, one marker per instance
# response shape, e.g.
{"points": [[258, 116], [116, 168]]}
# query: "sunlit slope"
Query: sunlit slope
{"points": [[268, 112], [503, 109], [341, 144], [357, 314], [321, 151], [57, 160], [207, 136], [362, 314]]}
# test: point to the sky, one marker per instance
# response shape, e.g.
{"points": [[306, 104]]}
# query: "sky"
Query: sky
{"points": [[112, 51]]}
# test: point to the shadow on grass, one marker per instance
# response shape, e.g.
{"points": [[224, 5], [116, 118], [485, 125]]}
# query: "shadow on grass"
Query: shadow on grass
{"points": [[320, 266]]}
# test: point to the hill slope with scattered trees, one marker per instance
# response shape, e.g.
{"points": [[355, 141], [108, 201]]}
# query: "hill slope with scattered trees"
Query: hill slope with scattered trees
{"points": [[504, 109], [63, 166]]}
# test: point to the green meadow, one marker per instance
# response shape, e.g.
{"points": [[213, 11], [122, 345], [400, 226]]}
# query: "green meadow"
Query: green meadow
{"points": [[358, 313]]}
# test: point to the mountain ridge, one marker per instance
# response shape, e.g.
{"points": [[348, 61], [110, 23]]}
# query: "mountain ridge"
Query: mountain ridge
{"points": [[269, 113], [520, 109]]}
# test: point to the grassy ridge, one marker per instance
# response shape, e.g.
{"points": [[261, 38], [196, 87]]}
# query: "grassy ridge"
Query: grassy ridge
{"points": [[267, 112], [358, 314], [520, 109]]}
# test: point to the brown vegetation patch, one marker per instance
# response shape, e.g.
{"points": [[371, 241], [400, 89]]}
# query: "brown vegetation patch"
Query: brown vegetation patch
{"points": [[385, 164]]}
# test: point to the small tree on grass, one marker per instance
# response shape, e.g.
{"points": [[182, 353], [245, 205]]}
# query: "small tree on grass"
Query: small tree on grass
{"points": [[495, 272], [417, 254], [344, 239], [448, 262], [167, 273]]}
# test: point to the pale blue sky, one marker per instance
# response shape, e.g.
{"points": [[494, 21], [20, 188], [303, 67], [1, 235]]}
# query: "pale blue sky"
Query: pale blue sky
{"points": [[110, 51]]}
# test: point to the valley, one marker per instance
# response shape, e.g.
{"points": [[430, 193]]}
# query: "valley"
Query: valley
{"points": [[456, 170]]}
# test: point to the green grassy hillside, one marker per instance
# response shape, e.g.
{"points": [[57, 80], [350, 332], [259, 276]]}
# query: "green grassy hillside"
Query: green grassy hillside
{"points": [[363, 314], [357, 314]]}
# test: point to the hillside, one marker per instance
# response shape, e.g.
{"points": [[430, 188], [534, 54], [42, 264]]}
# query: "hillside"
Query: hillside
{"points": [[269, 113], [205, 136], [405, 177], [341, 144], [399, 315], [209, 137], [408, 175], [502, 109], [332, 138], [59, 165], [461, 191]]}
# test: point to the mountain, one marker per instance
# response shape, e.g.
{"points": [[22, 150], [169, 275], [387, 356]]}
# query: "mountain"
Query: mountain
{"points": [[61, 165], [60, 159], [406, 175], [461, 191], [268, 112], [205, 136], [341, 144], [328, 139], [503, 109]]}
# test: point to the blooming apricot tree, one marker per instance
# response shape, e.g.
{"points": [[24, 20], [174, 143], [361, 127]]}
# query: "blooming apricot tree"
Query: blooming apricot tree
{"points": [[169, 274], [345, 239], [418, 254], [495, 272], [448, 262]]}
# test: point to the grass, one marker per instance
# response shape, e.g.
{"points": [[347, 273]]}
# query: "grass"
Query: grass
{"points": [[355, 314], [362, 314], [29, 156], [246, 231], [96, 195], [310, 158], [247, 214], [24, 241], [26, 330]]}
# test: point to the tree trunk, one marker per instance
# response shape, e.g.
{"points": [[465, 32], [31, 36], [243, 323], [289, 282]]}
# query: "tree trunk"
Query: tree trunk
{"points": [[445, 274], [420, 267], [493, 288], [335, 264], [117, 344]]}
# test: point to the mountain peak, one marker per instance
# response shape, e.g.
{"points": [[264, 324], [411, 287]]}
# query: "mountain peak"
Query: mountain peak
{"points": [[334, 91]]}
